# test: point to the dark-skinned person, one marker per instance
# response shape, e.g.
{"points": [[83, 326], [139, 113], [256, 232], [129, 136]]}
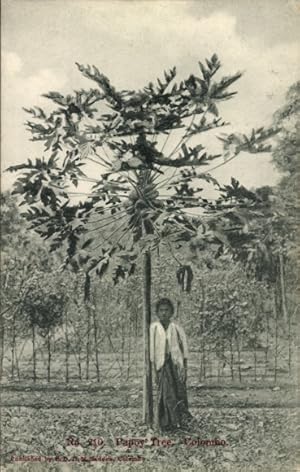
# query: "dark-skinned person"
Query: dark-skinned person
{"points": [[168, 356]]}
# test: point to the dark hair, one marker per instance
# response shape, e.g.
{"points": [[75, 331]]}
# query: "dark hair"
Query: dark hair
{"points": [[164, 301]]}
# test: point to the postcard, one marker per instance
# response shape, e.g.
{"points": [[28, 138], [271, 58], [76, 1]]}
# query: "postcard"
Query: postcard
{"points": [[149, 235]]}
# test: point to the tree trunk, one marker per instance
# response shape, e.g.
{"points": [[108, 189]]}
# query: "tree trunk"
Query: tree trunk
{"points": [[289, 344], [2, 330], [122, 344], [88, 345], [276, 336], [19, 357], [113, 350], [17, 365], [267, 344], [2, 335], [76, 348], [33, 354], [130, 335], [210, 369], [147, 391], [255, 325], [203, 322], [203, 359], [218, 369], [136, 332], [223, 358], [13, 345], [49, 356], [255, 358], [282, 289], [67, 347], [239, 355], [200, 361], [96, 345], [290, 339], [79, 367], [231, 359]]}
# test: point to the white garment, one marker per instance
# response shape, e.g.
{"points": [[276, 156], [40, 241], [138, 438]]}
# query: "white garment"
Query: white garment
{"points": [[176, 342]]}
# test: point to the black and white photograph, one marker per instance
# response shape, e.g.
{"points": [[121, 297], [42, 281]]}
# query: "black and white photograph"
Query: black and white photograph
{"points": [[150, 235]]}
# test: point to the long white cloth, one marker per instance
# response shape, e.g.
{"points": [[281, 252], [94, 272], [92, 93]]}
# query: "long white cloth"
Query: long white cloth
{"points": [[176, 342]]}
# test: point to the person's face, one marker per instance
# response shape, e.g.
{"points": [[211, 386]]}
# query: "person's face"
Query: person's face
{"points": [[164, 313]]}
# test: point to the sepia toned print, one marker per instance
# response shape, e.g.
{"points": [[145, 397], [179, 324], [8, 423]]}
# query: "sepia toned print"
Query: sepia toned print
{"points": [[149, 235]]}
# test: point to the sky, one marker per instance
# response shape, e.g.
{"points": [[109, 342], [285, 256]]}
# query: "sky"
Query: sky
{"points": [[132, 43]]}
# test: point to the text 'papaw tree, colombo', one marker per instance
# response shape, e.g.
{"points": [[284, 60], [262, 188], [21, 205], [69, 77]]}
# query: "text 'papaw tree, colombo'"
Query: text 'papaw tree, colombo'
{"points": [[140, 195]]}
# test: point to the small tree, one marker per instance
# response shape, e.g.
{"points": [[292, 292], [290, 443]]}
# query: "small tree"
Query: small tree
{"points": [[286, 156], [23, 255], [44, 308], [151, 172]]}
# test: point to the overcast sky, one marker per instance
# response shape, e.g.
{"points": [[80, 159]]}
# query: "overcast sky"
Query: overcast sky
{"points": [[133, 42]]}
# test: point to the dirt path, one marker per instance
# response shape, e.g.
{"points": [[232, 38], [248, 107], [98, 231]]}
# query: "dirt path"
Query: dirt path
{"points": [[260, 439]]}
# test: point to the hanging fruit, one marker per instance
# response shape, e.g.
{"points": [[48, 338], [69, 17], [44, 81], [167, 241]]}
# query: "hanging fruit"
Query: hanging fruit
{"points": [[185, 277]]}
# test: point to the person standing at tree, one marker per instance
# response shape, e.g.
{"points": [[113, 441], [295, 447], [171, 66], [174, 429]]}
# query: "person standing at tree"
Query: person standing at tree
{"points": [[168, 355]]}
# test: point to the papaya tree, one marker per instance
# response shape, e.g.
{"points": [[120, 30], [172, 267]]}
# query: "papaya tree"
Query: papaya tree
{"points": [[122, 169]]}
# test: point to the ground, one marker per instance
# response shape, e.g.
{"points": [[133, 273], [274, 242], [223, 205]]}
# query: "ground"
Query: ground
{"points": [[256, 428]]}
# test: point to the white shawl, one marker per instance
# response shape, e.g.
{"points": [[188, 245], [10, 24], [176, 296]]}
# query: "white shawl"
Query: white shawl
{"points": [[176, 341]]}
